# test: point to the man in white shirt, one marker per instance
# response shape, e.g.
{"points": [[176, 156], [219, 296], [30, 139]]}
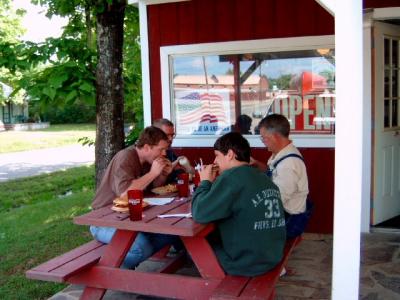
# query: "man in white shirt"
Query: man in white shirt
{"points": [[287, 170]]}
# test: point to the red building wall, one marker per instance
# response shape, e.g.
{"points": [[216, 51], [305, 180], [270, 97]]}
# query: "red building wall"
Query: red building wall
{"points": [[207, 21], [380, 3]]}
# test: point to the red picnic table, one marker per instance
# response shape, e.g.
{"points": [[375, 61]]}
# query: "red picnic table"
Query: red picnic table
{"points": [[106, 274], [97, 265]]}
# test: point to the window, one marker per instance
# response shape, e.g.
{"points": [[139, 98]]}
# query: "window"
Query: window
{"points": [[391, 87], [209, 90]]}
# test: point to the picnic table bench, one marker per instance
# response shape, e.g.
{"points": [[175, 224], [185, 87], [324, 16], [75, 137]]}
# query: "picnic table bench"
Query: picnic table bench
{"points": [[96, 265], [258, 287]]}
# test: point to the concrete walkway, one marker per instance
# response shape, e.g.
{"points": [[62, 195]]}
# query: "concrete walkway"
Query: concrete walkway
{"points": [[35, 162], [310, 269]]}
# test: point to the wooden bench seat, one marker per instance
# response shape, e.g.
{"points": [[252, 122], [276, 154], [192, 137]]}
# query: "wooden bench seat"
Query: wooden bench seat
{"points": [[259, 287], [61, 267]]}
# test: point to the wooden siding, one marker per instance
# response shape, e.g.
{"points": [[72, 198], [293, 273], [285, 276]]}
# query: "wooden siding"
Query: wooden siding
{"points": [[207, 21], [380, 3]]}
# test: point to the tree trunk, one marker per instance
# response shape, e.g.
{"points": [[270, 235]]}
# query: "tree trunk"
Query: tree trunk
{"points": [[109, 86]]}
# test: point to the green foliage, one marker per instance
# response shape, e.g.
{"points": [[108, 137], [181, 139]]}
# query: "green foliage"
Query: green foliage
{"points": [[329, 76], [132, 75], [86, 141], [75, 113], [283, 82], [41, 229], [64, 80], [61, 71], [10, 30], [10, 22], [133, 135]]}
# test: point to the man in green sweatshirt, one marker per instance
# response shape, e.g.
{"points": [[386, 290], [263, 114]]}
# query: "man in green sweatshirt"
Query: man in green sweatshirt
{"points": [[246, 208]]}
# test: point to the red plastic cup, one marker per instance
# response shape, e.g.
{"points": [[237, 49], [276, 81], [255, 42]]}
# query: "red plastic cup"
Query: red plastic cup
{"points": [[135, 199], [196, 178], [183, 185]]}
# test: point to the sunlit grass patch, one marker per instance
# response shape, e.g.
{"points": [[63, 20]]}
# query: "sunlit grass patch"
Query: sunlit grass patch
{"points": [[30, 190], [54, 136], [40, 228]]}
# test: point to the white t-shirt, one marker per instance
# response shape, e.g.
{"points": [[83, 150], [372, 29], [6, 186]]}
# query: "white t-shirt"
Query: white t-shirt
{"points": [[290, 175]]}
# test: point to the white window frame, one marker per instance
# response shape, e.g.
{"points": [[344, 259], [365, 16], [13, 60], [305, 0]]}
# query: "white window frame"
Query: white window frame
{"points": [[239, 47]]}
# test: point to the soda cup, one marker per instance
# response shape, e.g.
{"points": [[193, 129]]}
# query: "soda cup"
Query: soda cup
{"points": [[135, 199], [183, 185]]}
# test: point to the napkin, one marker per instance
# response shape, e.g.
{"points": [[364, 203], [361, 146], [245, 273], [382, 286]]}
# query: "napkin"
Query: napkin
{"points": [[187, 215], [158, 201]]}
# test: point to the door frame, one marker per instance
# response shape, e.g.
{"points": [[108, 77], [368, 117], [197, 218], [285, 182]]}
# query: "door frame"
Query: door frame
{"points": [[369, 19]]}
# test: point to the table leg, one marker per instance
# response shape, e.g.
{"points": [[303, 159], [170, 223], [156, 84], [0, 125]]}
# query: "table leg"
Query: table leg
{"points": [[204, 257], [120, 243]]}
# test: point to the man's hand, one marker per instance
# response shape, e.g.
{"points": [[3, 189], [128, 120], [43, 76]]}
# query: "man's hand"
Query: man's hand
{"points": [[159, 164], [208, 172], [167, 168]]}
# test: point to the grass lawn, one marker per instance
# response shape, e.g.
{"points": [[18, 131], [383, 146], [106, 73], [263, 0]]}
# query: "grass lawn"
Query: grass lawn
{"points": [[54, 136], [36, 225]]}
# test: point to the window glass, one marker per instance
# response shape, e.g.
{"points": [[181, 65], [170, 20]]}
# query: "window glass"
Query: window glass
{"points": [[395, 58], [214, 94], [395, 113], [386, 83], [386, 113], [391, 84], [395, 83], [386, 50]]}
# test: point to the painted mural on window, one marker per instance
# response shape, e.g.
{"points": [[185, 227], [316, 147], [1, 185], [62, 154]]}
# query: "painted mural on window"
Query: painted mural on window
{"points": [[214, 94]]}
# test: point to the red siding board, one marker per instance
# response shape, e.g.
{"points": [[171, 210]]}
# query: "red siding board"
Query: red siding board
{"points": [[264, 12], [284, 25], [243, 20], [187, 22], [381, 3], [324, 22], [225, 22], [307, 22], [205, 21], [321, 185], [154, 57], [168, 18]]}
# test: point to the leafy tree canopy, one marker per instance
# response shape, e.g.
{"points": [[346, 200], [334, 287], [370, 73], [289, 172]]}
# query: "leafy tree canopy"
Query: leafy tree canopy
{"points": [[10, 30], [10, 22], [61, 71]]}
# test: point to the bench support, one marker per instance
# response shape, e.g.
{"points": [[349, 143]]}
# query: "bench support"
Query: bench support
{"points": [[259, 287]]}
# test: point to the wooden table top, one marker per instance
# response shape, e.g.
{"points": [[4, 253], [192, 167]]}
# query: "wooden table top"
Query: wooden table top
{"points": [[150, 222]]}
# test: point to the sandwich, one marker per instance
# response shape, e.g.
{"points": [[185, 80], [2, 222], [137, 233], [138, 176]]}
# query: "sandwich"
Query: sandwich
{"points": [[120, 204]]}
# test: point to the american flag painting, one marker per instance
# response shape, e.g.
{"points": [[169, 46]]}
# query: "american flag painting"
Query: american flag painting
{"points": [[202, 112]]}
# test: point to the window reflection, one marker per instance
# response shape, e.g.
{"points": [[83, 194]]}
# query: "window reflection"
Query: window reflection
{"points": [[215, 94]]}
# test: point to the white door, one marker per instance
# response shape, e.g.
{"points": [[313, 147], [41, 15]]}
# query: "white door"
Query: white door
{"points": [[386, 123]]}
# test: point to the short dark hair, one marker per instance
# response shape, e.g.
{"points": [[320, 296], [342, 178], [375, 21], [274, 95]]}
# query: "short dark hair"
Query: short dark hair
{"points": [[277, 123], [151, 136], [160, 122], [243, 124], [237, 143]]}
